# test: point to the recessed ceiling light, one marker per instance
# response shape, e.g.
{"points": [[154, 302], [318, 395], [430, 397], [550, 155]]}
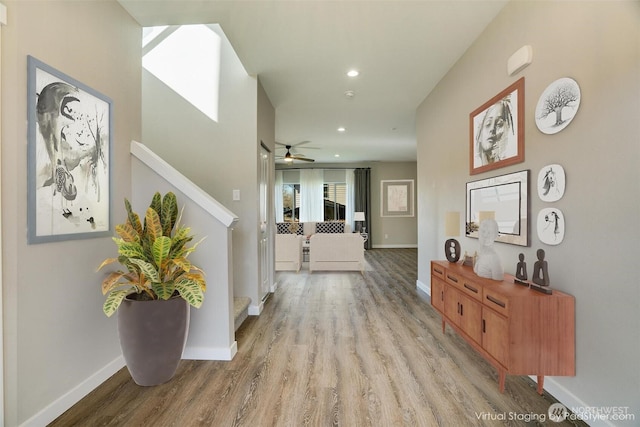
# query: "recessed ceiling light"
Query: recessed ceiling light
{"points": [[353, 73], [336, 155], [342, 129]]}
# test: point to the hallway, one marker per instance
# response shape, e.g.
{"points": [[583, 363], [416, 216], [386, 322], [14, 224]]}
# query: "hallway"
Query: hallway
{"points": [[330, 348]]}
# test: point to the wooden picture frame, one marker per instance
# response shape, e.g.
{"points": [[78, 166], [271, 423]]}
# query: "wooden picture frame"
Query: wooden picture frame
{"points": [[69, 139], [396, 198], [496, 131]]}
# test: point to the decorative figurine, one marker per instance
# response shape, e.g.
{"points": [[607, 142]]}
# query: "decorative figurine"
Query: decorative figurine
{"points": [[488, 264], [452, 250], [470, 260], [521, 272], [540, 274]]}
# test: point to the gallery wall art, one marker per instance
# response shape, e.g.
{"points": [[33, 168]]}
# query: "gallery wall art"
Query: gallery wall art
{"points": [[68, 164], [551, 183], [496, 131], [558, 105]]}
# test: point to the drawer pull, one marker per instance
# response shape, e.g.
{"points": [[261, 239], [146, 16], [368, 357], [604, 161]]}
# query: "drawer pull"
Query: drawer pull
{"points": [[452, 278], [471, 288], [484, 326], [437, 271], [496, 301]]}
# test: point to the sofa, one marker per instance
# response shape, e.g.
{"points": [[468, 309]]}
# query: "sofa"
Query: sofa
{"points": [[336, 252], [288, 252], [331, 246]]}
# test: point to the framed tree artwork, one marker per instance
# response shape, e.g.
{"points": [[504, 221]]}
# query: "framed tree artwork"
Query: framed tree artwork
{"points": [[68, 157], [558, 105], [496, 131]]}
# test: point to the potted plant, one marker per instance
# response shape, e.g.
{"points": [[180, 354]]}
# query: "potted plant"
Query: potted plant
{"points": [[153, 293]]}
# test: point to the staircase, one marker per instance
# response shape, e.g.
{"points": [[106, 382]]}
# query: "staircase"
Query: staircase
{"points": [[240, 310]]}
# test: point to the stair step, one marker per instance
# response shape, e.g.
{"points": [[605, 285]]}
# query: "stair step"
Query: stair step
{"points": [[240, 310]]}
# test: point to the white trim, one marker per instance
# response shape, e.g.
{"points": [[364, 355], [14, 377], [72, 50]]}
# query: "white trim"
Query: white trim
{"points": [[255, 310], [396, 246], [182, 183], [568, 399], [73, 396], [210, 353], [274, 287], [424, 288]]}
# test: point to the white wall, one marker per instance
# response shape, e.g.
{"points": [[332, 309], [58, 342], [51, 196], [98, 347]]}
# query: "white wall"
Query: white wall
{"points": [[218, 157], [597, 44], [56, 336]]}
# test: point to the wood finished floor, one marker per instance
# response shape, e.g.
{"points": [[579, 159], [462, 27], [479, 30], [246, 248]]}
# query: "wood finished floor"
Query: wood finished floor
{"points": [[330, 349]]}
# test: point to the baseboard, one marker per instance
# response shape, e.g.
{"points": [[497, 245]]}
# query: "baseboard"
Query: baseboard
{"points": [[73, 396], [210, 353], [424, 288], [396, 246], [570, 400], [255, 310]]}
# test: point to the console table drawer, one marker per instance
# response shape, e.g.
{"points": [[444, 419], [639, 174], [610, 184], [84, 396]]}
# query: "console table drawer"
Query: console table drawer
{"points": [[437, 271], [496, 302], [466, 286]]}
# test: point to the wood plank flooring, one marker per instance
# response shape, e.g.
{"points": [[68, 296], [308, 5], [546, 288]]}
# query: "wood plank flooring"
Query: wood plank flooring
{"points": [[330, 349]]}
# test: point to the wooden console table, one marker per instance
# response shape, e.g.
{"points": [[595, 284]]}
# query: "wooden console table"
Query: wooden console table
{"points": [[516, 329]]}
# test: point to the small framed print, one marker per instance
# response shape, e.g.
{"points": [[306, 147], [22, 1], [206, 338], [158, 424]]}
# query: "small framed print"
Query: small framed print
{"points": [[496, 131], [551, 183], [68, 157], [551, 226], [558, 105], [396, 198]]}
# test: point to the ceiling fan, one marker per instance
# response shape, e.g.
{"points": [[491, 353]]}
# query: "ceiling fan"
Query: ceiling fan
{"points": [[290, 157]]}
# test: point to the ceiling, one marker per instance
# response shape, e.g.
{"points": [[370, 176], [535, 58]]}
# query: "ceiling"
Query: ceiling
{"points": [[302, 49]]}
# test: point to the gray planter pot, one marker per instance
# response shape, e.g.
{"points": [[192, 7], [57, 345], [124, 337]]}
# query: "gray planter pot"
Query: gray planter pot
{"points": [[153, 335]]}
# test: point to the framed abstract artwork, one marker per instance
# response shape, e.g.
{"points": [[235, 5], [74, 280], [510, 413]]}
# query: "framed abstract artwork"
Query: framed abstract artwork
{"points": [[496, 131], [69, 137], [396, 197]]}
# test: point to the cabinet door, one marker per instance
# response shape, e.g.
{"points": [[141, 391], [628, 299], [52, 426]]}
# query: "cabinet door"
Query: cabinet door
{"points": [[471, 318], [437, 294], [464, 312], [495, 335]]}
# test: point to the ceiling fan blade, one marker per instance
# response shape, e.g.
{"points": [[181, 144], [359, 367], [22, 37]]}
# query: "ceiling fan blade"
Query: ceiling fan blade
{"points": [[300, 143], [304, 159]]}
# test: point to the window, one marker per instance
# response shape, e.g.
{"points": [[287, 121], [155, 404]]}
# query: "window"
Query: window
{"points": [[335, 200], [187, 59], [291, 202]]}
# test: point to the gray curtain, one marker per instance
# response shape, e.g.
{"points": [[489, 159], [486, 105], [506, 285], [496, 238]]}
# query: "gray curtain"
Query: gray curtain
{"points": [[363, 198]]}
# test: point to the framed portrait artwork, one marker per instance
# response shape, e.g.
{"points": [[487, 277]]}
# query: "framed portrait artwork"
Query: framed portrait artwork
{"points": [[396, 197], [496, 131], [68, 157]]}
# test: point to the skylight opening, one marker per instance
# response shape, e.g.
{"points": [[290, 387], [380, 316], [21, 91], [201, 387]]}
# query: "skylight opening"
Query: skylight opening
{"points": [[188, 61], [150, 33]]}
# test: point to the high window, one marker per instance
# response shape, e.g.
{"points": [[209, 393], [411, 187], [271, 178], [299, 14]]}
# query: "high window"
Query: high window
{"points": [[187, 59]]}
